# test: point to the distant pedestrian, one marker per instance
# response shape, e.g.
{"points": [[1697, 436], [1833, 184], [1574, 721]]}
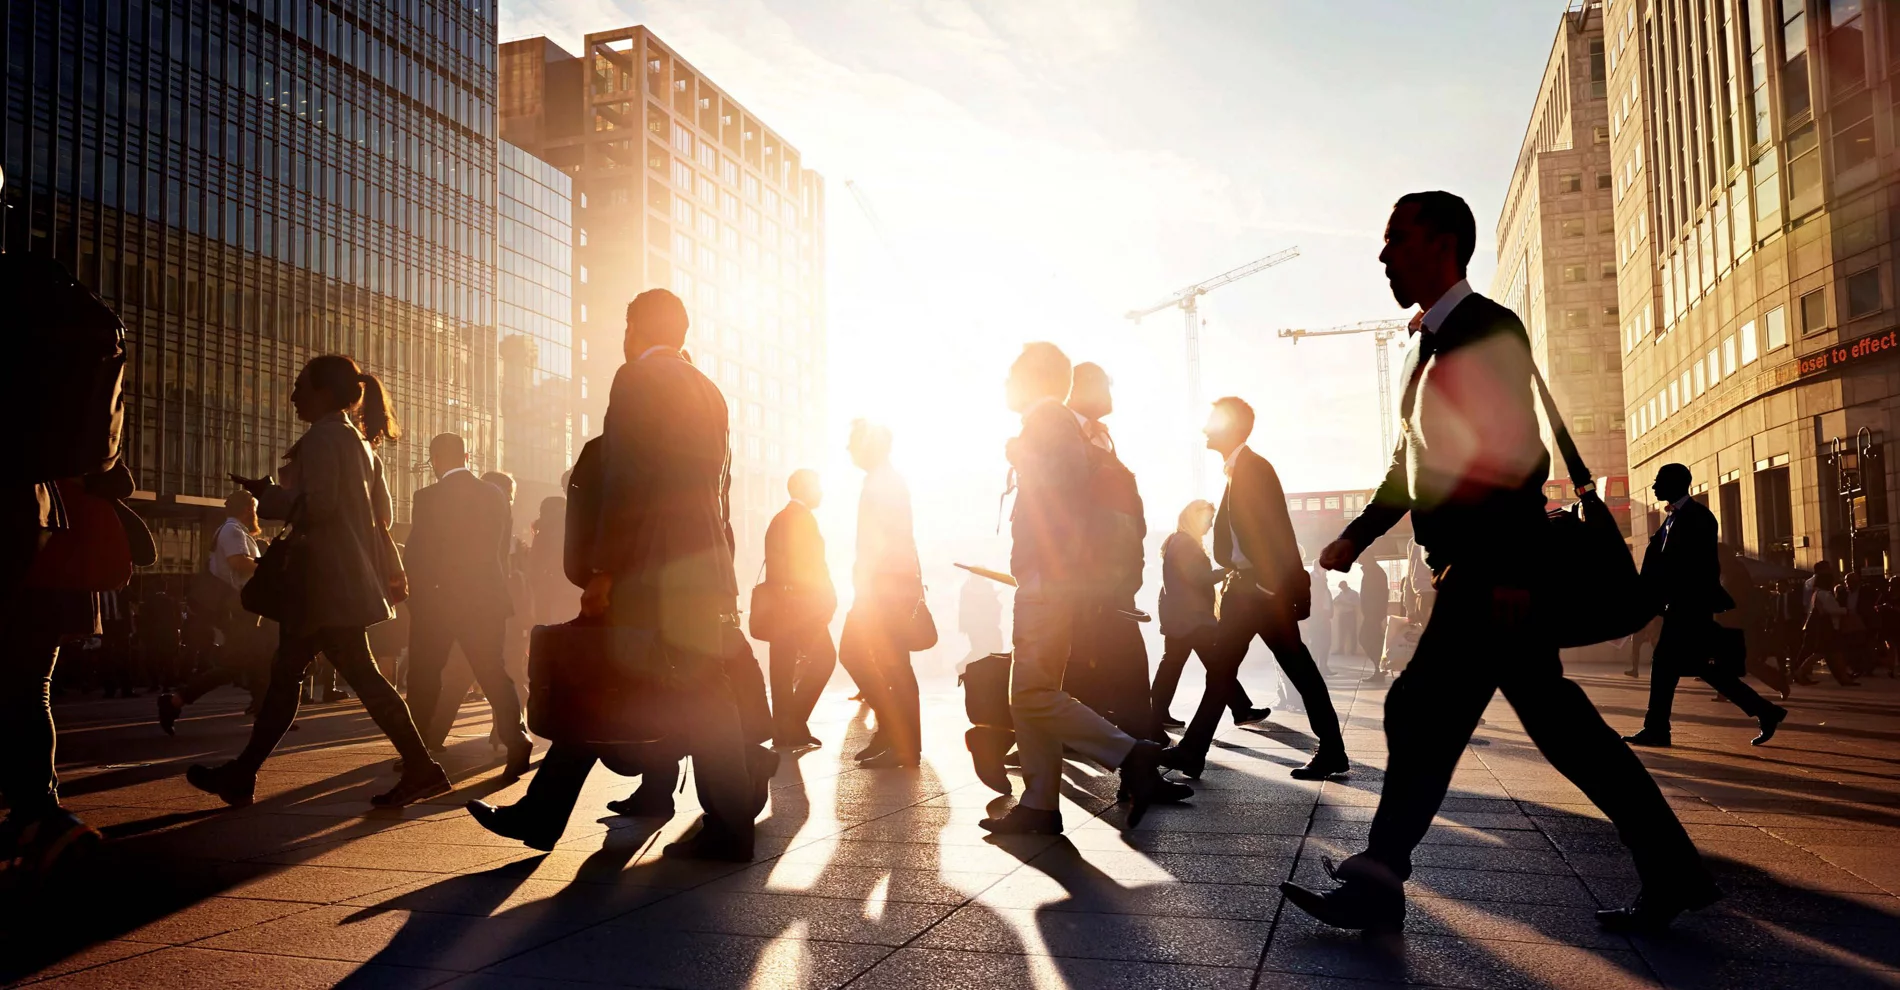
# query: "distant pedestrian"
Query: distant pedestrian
{"points": [[1346, 617], [334, 496], [1375, 603], [887, 587], [231, 560], [802, 655], [1189, 585], [556, 599]]}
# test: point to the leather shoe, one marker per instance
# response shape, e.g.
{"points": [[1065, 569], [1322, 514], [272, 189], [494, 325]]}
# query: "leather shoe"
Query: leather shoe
{"points": [[1141, 775], [987, 745], [1648, 737], [886, 760], [235, 787], [413, 787], [519, 756], [507, 822], [1322, 766], [1363, 901], [1024, 821], [1170, 722], [1651, 913], [1251, 716], [1190, 764], [170, 706], [878, 745], [711, 843], [761, 767], [641, 804], [1769, 723]]}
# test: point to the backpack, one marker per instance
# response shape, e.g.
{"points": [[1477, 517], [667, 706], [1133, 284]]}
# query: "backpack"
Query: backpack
{"points": [[62, 390]]}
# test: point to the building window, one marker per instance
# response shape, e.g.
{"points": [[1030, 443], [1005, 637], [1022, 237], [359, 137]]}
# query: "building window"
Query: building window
{"points": [[1570, 228], [1570, 182], [1804, 171], [1863, 293], [1611, 315], [1767, 194], [1576, 318], [1715, 365], [1701, 379], [583, 320], [1600, 134], [1853, 123], [1575, 273], [1603, 180], [1795, 98], [1846, 45], [1728, 349], [1775, 325], [1585, 424], [1607, 270], [1577, 363], [1813, 311], [583, 275]]}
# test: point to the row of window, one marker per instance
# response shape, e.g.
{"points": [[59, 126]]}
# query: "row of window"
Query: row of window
{"points": [[1735, 351]]}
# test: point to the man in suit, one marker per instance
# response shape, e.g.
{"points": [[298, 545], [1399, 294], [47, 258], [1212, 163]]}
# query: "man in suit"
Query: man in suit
{"points": [[1266, 595], [802, 655], [1470, 469], [457, 560], [1683, 576], [1050, 559], [1375, 602], [886, 583], [657, 556]]}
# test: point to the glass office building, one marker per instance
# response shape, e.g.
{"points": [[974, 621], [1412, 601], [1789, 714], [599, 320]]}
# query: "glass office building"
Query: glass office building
{"points": [[251, 183], [534, 296]]}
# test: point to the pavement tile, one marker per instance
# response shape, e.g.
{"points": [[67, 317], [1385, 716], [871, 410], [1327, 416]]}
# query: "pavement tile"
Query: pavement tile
{"points": [[660, 958], [97, 954], [195, 968], [833, 919], [940, 969], [321, 884], [1192, 941], [452, 942], [858, 882], [212, 916], [1458, 962], [1035, 890]]}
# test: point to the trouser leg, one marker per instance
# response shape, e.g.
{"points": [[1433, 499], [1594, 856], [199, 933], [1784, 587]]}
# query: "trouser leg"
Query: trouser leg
{"points": [[348, 650], [557, 784], [1430, 713], [1662, 698], [820, 658], [430, 639], [483, 643], [1174, 657], [458, 676], [716, 741], [279, 707], [783, 656], [27, 657], [857, 652], [1737, 690], [905, 704], [1304, 674], [1238, 623], [1572, 735], [1046, 717]]}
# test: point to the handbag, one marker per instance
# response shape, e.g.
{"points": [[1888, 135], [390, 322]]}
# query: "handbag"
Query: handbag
{"points": [[91, 553], [590, 682], [919, 632], [276, 589], [1596, 596], [766, 618]]}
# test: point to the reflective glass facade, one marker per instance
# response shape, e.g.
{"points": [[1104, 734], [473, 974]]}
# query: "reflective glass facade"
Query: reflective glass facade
{"points": [[254, 182], [534, 293]]}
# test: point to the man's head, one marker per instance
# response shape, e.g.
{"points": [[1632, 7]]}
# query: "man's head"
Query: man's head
{"points": [[1853, 580], [504, 481], [1428, 243], [1228, 425], [1040, 372], [1089, 391], [447, 451], [242, 506], [655, 318], [870, 444], [1672, 482], [1343, 586], [803, 486]]}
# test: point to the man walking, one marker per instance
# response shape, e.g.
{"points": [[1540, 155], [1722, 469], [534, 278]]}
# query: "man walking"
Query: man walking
{"points": [[1683, 575], [802, 655], [1375, 602], [886, 584], [458, 594], [1050, 561], [1266, 595], [1470, 470]]}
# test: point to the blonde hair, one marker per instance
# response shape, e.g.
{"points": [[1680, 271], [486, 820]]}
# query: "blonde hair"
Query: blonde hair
{"points": [[1187, 511]]}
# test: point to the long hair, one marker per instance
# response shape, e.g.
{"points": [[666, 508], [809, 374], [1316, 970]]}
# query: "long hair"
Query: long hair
{"points": [[360, 392], [1188, 511]]}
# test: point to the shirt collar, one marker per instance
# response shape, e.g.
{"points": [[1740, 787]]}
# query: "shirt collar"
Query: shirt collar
{"points": [[1678, 503], [1441, 310], [454, 471], [655, 349], [1232, 459]]}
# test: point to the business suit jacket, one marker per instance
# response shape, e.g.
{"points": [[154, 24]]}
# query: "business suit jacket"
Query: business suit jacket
{"points": [[1470, 467], [1049, 553], [333, 491], [1683, 576], [457, 554], [662, 529], [1188, 583], [1253, 517], [795, 558]]}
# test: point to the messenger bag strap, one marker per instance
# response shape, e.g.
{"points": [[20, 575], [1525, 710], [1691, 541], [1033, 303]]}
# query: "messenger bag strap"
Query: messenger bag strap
{"points": [[1573, 461]]}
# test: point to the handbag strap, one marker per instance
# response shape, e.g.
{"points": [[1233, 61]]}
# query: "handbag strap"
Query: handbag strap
{"points": [[1573, 460]]}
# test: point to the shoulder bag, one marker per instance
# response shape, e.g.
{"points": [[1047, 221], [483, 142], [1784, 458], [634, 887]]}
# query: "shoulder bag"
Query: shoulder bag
{"points": [[276, 589], [766, 620], [919, 632], [1595, 595]]}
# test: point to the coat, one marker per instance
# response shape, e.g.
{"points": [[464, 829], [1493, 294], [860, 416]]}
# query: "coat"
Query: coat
{"points": [[1683, 576], [333, 492], [459, 544], [1253, 519], [1188, 582], [795, 558]]}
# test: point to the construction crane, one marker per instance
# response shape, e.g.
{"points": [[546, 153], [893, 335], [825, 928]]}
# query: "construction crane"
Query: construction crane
{"points": [[1382, 332], [1188, 302]]}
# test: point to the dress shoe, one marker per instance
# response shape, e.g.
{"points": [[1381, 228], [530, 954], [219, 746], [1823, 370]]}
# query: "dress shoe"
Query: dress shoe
{"points": [[1652, 912], [510, 823], [170, 706], [519, 756], [424, 783], [886, 760], [761, 766], [1190, 764], [1251, 716], [987, 744], [228, 782], [877, 745], [1322, 766], [1648, 737], [40, 846], [813, 742], [711, 843], [642, 803], [1369, 898], [436, 752], [1170, 722], [1769, 723], [1024, 821], [1141, 775]]}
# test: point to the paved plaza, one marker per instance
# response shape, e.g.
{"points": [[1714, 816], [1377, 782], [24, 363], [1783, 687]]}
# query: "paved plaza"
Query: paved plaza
{"points": [[881, 879]]}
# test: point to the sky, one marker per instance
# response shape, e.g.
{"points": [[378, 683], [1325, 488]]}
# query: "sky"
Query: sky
{"points": [[1041, 167]]}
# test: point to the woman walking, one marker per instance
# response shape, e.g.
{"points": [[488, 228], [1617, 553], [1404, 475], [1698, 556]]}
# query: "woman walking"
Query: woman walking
{"points": [[1188, 583], [1823, 636], [335, 500]]}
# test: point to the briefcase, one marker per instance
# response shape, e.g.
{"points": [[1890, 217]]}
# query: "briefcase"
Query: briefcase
{"points": [[986, 691], [589, 682]]}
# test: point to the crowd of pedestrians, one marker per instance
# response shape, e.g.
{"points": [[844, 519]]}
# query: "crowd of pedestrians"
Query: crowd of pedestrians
{"points": [[641, 661]]}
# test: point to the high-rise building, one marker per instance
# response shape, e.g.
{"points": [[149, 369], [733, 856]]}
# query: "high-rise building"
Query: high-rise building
{"points": [[1557, 253], [534, 305], [250, 185], [676, 185], [1758, 176]]}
